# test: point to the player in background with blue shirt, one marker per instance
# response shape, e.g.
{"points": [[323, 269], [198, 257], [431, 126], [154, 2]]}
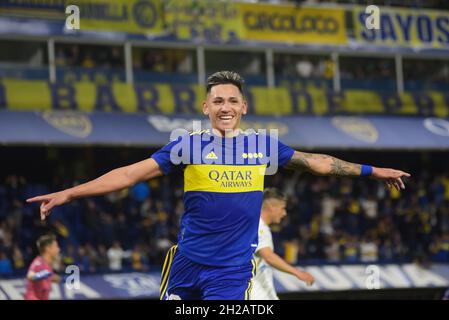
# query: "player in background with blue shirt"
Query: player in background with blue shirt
{"points": [[224, 172]]}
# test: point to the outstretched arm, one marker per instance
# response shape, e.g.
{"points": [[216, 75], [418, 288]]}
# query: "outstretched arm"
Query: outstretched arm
{"points": [[114, 180], [280, 264], [322, 164]]}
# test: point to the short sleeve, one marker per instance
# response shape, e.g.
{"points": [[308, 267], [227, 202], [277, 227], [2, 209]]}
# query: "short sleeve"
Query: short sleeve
{"points": [[265, 239], [285, 153], [36, 266], [163, 158]]}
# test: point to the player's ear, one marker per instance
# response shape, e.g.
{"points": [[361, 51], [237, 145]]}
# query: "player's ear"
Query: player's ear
{"points": [[205, 108], [245, 106]]}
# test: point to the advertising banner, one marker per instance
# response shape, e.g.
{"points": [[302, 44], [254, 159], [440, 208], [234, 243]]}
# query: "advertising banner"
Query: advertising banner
{"points": [[170, 98], [304, 132], [419, 29], [130, 16], [293, 24], [327, 278]]}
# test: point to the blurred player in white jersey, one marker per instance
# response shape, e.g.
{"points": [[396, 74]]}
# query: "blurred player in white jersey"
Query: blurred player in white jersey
{"points": [[273, 210]]}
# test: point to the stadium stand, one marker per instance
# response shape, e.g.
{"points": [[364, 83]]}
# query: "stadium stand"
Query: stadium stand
{"points": [[360, 91]]}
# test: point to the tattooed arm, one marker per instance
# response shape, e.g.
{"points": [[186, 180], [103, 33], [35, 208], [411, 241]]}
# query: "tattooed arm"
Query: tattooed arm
{"points": [[325, 165], [322, 164]]}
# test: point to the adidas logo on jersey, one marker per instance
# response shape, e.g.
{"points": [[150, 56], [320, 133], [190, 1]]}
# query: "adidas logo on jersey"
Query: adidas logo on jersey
{"points": [[211, 155]]}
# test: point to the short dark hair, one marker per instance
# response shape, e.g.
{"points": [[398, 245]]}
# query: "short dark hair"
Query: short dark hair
{"points": [[225, 77], [44, 241], [274, 193]]}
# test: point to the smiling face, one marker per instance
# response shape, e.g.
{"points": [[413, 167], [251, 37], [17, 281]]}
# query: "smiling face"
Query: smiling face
{"points": [[225, 106]]}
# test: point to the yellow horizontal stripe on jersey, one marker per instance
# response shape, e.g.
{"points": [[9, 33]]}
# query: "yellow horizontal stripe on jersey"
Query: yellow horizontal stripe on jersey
{"points": [[224, 178]]}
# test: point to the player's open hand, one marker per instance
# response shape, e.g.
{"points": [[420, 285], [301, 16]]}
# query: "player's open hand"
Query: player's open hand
{"points": [[306, 277], [391, 177], [49, 201]]}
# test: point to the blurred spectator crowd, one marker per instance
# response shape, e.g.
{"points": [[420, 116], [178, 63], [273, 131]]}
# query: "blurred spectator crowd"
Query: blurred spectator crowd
{"points": [[329, 220], [89, 56], [106, 63], [112, 57], [304, 67], [355, 220]]}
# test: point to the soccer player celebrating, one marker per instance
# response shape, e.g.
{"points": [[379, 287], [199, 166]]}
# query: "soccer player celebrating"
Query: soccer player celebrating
{"points": [[273, 210], [40, 273], [223, 184]]}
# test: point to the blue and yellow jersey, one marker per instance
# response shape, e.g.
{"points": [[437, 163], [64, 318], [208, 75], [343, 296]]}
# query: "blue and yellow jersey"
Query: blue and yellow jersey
{"points": [[223, 188]]}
